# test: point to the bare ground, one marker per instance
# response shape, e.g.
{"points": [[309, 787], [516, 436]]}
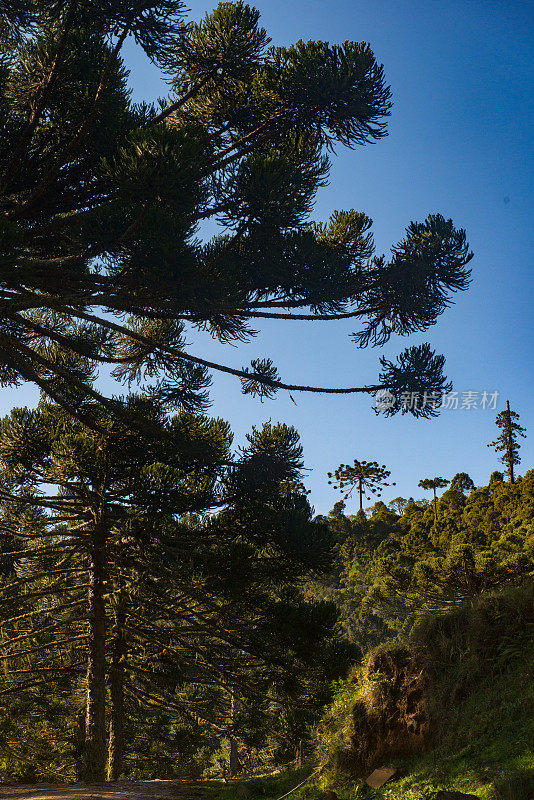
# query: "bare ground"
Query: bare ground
{"points": [[117, 790]]}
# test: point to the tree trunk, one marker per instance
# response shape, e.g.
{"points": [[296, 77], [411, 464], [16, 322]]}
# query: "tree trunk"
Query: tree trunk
{"points": [[117, 675], [79, 745], [360, 489], [435, 506], [94, 767], [234, 755]]}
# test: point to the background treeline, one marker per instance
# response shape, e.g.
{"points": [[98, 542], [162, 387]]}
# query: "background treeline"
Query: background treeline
{"points": [[410, 557]]}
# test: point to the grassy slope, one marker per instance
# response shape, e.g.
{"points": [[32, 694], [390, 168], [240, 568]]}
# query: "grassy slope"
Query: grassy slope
{"points": [[270, 788], [487, 747], [484, 739]]}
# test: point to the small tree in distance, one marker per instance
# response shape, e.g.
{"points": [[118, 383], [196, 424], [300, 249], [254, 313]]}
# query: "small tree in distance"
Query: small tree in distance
{"points": [[462, 482], [507, 442], [366, 476], [398, 504], [434, 483]]}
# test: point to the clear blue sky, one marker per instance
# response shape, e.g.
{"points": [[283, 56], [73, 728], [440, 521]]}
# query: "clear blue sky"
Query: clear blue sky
{"points": [[458, 144]]}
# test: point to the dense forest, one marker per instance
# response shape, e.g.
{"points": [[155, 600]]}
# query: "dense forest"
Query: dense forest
{"points": [[225, 635], [171, 605]]}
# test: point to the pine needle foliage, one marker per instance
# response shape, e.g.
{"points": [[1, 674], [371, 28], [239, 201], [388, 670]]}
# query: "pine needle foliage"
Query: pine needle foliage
{"points": [[103, 256]]}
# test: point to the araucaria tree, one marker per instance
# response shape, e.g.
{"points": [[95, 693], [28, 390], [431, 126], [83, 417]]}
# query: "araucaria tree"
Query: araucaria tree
{"points": [[507, 443], [101, 201], [365, 476], [434, 483], [105, 481], [165, 568]]}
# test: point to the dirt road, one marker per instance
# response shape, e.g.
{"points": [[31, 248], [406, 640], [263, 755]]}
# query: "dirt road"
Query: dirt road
{"points": [[118, 790]]}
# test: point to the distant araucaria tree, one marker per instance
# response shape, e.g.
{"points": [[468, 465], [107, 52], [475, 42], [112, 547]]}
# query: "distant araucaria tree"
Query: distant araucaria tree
{"points": [[434, 483], [365, 476], [507, 443]]}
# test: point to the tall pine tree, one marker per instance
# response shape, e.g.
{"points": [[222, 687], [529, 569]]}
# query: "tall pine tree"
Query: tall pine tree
{"points": [[176, 595], [364, 476], [507, 443]]}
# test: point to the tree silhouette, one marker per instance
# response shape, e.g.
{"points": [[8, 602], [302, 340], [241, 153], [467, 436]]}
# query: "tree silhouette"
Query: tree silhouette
{"points": [[366, 476], [507, 442], [102, 262], [434, 483]]}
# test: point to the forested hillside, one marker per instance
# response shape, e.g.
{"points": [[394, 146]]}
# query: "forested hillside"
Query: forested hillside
{"points": [[412, 557], [279, 604], [450, 671]]}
